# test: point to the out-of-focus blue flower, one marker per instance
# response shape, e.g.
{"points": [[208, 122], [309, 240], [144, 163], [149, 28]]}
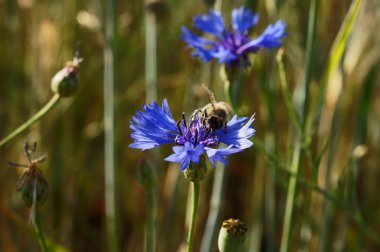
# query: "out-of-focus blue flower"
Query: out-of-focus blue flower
{"points": [[155, 126], [231, 45]]}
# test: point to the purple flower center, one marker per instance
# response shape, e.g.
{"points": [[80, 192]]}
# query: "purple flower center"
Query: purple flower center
{"points": [[233, 41], [196, 132]]}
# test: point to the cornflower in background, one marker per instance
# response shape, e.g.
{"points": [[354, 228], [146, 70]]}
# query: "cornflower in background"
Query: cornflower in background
{"points": [[155, 126], [231, 45]]}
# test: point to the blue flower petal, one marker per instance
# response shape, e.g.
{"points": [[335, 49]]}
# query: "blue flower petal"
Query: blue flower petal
{"points": [[152, 127], [179, 156], [270, 38], [237, 133], [201, 45], [204, 54], [220, 154], [194, 40], [186, 153], [243, 19], [231, 46], [224, 54], [212, 23]]}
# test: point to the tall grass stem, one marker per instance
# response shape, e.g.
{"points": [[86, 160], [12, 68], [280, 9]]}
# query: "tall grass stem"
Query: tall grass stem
{"points": [[109, 128], [151, 95], [150, 56], [299, 151], [285, 91]]}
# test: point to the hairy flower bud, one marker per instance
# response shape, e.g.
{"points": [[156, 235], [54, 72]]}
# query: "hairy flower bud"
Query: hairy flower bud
{"points": [[196, 172], [33, 187], [232, 235], [32, 184]]}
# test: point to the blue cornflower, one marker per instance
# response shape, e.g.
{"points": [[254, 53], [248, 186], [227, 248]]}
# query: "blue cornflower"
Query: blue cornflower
{"points": [[155, 126], [231, 46]]}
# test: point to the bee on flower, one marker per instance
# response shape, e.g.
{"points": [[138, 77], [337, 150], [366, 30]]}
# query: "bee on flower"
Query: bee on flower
{"points": [[192, 139]]}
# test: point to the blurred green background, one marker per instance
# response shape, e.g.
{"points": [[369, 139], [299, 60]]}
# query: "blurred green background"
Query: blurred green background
{"points": [[38, 37]]}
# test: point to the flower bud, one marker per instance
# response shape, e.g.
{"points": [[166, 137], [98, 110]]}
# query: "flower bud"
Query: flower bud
{"points": [[158, 7], [146, 173], [33, 187], [196, 172], [232, 235], [65, 81]]}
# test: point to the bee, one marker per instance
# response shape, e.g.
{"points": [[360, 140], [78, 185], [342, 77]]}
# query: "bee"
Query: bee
{"points": [[214, 113]]}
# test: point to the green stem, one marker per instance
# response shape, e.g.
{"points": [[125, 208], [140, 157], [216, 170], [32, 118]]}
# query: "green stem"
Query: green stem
{"points": [[195, 186], [150, 56], [109, 130], [40, 234], [299, 150], [151, 95], [150, 230], [285, 91], [233, 79], [53, 101], [355, 217], [215, 203]]}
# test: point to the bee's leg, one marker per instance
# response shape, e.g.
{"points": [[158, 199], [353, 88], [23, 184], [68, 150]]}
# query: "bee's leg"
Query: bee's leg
{"points": [[208, 131], [225, 127], [203, 121]]}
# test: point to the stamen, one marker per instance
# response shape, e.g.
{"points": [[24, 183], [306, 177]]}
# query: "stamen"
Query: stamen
{"points": [[184, 120], [180, 140], [179, 127], [196, 136]]}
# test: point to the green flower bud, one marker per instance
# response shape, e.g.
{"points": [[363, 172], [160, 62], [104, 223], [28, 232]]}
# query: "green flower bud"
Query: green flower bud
{"points": [[196, 172], [65, 81], [146, 174], [159, 8], [232, 235]]}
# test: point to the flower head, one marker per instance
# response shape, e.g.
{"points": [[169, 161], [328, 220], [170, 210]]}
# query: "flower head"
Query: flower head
{"points": [[231, 45], [32, 184], [155, 126]]}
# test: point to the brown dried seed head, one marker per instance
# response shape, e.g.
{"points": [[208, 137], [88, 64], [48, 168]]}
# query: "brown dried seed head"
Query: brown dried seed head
{"points": [[235, 227]]}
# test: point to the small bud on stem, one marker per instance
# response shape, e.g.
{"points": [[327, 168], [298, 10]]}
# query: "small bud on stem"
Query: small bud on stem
{"points": [[65, 81]]}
